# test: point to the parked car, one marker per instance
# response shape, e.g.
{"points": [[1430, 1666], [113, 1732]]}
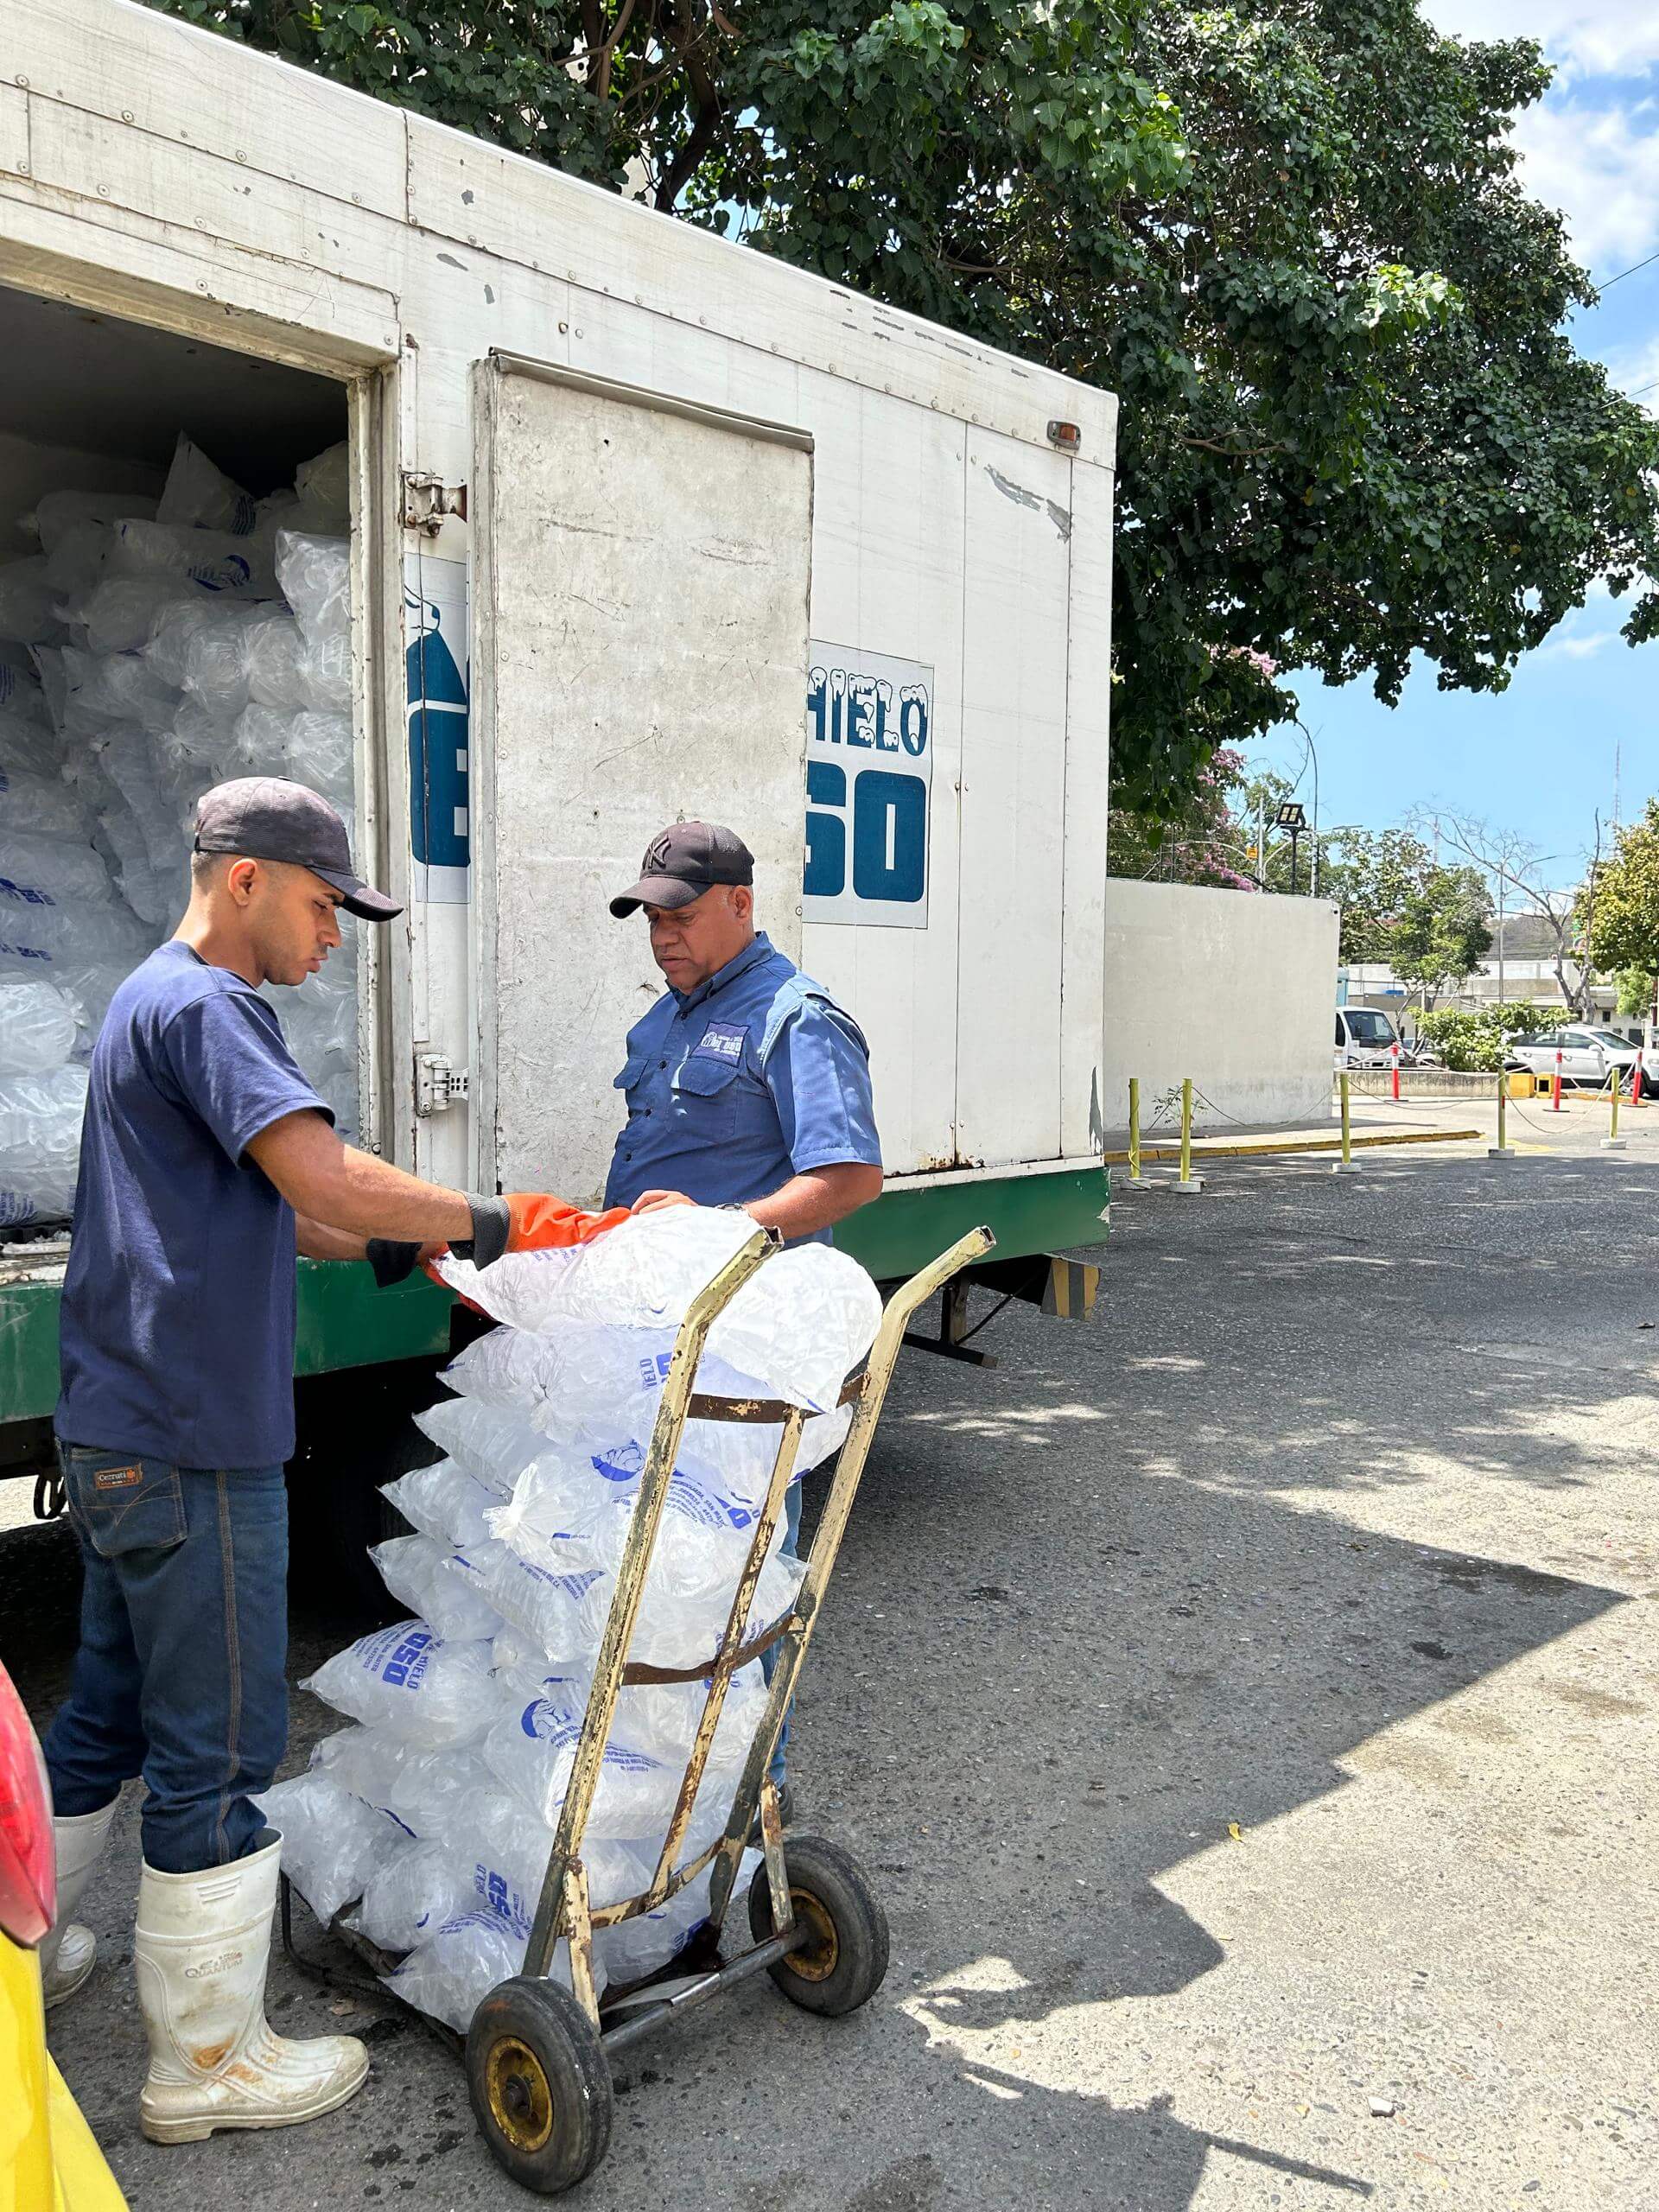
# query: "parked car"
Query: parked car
{"points": [[1366, 1039], [1587, 1054], [48, 2157]]}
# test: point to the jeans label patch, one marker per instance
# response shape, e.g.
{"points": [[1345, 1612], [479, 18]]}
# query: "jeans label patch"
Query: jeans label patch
{"points": [[118, 1477]]}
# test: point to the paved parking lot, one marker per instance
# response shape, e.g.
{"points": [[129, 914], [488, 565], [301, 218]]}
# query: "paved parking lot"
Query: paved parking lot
{"points": [[1245, 1704]]}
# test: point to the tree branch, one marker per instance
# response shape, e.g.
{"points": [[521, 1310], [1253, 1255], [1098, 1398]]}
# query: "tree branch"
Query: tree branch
{"points": [[593, 37], [598, 64], [1234, 453], [706, 94]]}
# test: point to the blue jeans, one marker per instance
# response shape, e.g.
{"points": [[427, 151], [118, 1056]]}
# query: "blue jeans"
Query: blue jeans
{"points": [[787, 1549], [180, 1674]]}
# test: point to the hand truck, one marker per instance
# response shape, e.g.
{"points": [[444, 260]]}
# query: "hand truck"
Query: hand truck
{"points": [[538, 2055]]}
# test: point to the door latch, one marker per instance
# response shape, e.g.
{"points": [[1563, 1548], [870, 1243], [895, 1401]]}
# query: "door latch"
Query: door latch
{"points": [[439, 1083], [428, 502]]}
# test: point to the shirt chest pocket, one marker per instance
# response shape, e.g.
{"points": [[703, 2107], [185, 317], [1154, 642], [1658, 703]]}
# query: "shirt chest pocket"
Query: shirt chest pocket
{"points": [[628, 1081], [705, 1099]]}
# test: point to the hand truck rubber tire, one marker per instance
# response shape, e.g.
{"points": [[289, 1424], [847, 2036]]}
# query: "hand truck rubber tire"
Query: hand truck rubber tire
{"points": [[845, 1961], [540, 2084]]}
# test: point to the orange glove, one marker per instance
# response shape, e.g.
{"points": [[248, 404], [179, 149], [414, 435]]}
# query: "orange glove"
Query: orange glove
{"points": [[540, 1222], [531, 1221]]}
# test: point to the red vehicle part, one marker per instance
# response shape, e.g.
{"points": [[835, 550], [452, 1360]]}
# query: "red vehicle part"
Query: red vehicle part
{"points": [[28, 1887]]}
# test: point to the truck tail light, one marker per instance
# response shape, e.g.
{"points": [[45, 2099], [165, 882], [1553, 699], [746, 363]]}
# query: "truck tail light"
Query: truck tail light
{"points": [[28, 1884]]}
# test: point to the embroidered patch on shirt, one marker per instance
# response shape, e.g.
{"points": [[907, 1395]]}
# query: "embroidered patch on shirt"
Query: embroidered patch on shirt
{"points": [[721, 1040]]}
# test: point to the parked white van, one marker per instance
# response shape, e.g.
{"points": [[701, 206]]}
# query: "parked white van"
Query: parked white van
{"points": [[1366, 1039]]}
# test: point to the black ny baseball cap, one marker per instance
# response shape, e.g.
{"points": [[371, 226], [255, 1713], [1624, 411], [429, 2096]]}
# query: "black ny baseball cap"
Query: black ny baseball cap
{"points": [[267, 819], [686, 860]]}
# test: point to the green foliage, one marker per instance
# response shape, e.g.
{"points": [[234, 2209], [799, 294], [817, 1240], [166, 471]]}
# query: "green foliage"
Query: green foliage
{"points": [[1624, 914], [1440, 932], [1286, 234], [1372, 874], [1473, 1043], [1636, 989], [1206, 841]]}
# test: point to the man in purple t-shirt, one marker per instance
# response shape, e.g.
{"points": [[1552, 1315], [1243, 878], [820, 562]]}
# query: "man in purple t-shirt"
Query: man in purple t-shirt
{"points": [[207, 1161]]}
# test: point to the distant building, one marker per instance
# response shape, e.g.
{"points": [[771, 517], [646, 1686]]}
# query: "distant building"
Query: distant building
{"points": [[1520, 965]]}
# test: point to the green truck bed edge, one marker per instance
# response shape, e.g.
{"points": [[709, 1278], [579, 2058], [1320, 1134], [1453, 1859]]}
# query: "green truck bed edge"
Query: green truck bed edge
{"points": [[344, 1321]]}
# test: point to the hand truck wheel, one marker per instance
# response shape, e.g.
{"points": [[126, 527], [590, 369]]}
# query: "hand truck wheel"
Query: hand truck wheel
{"points": [[844, 1960], [540, 2084]]}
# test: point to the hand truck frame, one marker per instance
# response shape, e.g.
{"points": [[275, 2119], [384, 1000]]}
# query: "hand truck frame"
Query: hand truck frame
{"points": [[538, 2055]]}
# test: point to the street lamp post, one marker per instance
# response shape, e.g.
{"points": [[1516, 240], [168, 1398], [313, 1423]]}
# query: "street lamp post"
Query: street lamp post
{"points": [[1293, 819], [1313, 886]]}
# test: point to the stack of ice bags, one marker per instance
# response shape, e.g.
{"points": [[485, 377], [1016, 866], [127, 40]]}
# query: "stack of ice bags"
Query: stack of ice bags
{"points": [[149, 649], [436, 1810]]}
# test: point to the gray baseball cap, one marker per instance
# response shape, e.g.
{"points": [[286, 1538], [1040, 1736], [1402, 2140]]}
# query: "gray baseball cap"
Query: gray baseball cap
{"points": [[266, 819], [684, 860]]}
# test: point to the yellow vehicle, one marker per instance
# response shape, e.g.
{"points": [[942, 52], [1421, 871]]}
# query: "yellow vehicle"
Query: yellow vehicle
{"points": [[50, 2161]]}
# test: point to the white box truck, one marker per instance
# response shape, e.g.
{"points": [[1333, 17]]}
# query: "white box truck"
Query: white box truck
{"points": [[644, 525]]}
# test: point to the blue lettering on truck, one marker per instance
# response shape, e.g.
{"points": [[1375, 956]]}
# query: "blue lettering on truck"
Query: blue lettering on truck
{"points": [[434, 630], [869, 775]]}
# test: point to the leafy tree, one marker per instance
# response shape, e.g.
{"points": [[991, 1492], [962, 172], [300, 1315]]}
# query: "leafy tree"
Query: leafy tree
{"points": [[1286, 233], [1638, 990], [1440, 932], [1372, 873], [1620, 919], [1474, 1043], [1201, 842]]}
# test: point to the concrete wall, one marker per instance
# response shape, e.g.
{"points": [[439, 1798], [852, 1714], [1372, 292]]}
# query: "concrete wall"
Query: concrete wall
{"points": [[1236, 989]]}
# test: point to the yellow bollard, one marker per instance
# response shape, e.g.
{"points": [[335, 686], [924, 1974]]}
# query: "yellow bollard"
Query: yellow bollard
{"points": [[1189, 1181], [1137, 1180], [1346, 1165], [1502, 1149], [1613, 1141]]}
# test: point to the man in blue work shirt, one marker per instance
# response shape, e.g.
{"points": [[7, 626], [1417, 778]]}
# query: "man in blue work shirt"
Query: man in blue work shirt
{"points": [[747, 1085]]}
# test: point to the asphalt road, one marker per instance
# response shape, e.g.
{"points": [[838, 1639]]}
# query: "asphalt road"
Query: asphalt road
{"points": [[1245, 1704]]}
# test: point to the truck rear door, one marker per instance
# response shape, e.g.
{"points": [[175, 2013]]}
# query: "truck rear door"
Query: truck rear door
{"points": [[639, 649]]}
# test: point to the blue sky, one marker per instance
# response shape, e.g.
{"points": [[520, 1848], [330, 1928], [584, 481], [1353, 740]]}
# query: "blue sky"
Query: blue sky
{"points": [[1539, 758]]}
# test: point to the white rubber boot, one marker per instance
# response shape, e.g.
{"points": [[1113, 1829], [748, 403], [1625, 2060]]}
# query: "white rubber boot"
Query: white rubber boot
{"points": [[70, 1952], [202, 1944]]}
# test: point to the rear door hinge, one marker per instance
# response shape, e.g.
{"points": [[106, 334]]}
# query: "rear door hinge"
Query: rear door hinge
{"points": [[439, 1083], [428, 502]]}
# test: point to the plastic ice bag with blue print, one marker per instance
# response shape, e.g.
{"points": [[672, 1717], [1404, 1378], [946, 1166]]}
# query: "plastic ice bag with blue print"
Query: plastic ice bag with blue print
{"points": [[408, 1679], [489, 1439], [799, 1326], [445, 1501], [450, 1974], [332, 1843], [410, 1897], [596, 1391], [564, 1612], [445, 1587]]}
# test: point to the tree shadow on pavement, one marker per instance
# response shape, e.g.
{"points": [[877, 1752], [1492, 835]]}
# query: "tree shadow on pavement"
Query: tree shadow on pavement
{"points": [[1094, 1613], [1132, 1650]]}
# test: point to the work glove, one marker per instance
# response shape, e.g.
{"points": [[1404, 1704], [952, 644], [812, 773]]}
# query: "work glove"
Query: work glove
{"points": [[520, 1222], [538, 1223]]}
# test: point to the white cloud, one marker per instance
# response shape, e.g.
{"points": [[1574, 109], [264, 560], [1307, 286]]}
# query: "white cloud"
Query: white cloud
{"points": [[1589, 629], [1635, 369], [1591, 148], [1580, 646], [1601, 170], [1584, 38]]}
